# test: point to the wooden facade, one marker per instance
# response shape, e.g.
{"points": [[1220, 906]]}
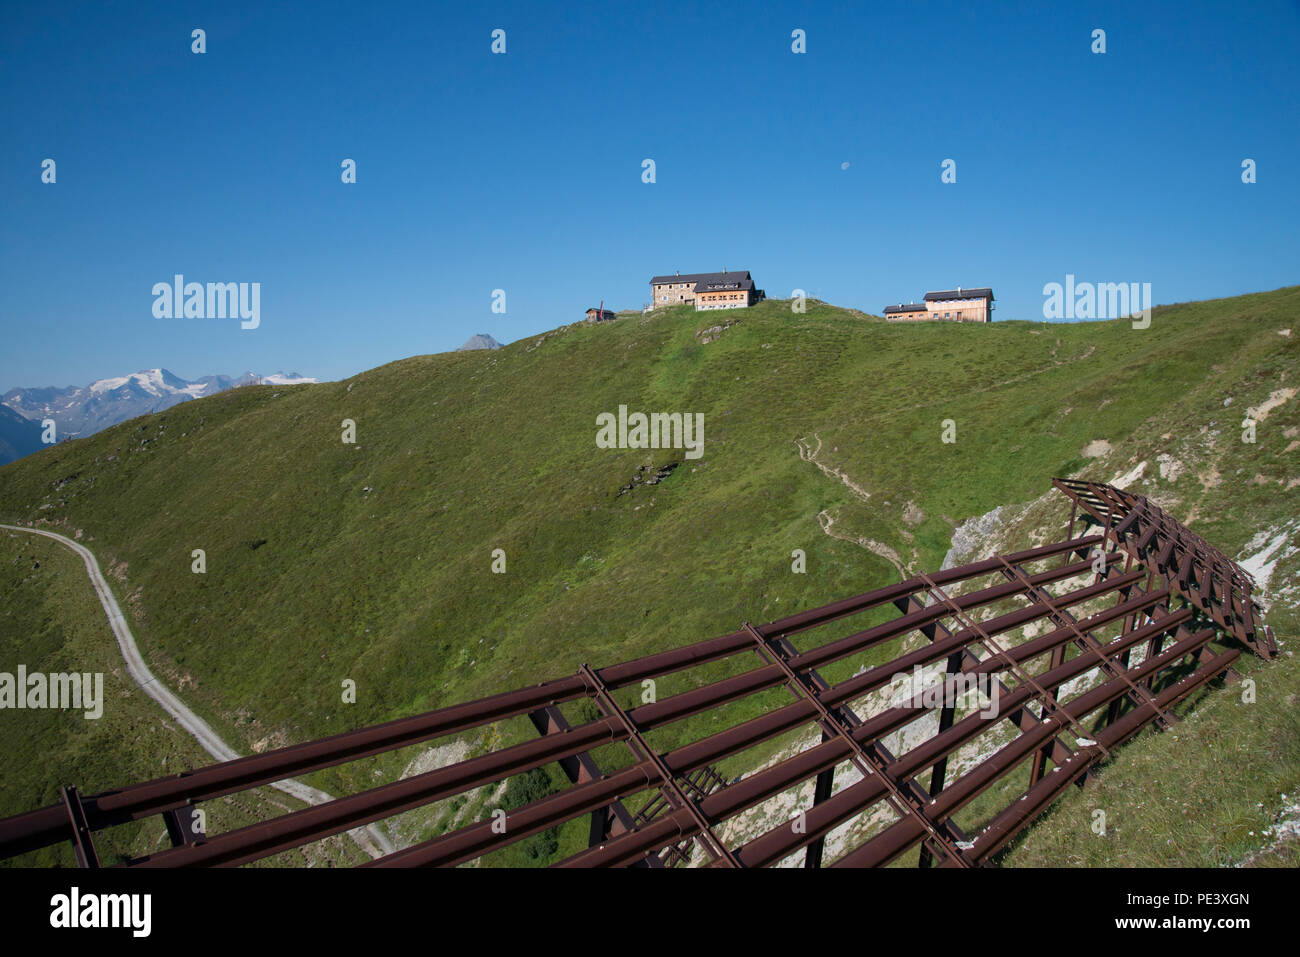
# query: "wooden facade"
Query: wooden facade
{"points": [[951, 305]]}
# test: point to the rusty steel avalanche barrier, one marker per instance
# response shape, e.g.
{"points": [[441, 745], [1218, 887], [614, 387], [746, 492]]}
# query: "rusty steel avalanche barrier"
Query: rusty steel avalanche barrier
{"points": [[957, 707]]}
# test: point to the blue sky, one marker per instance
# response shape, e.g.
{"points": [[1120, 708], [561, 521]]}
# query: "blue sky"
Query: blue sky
{"points": [[522, 171]]}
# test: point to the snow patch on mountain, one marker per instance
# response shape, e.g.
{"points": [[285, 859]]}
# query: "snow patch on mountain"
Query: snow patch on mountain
{"points": [[286, 378]]}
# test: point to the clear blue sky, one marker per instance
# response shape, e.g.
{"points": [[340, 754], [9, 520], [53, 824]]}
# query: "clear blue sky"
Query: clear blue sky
{"points": [[523, 171]]}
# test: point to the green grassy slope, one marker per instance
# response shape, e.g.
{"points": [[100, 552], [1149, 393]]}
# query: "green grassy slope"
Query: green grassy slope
{"points": [[1208, 793], [372, 561], [51, 621]]}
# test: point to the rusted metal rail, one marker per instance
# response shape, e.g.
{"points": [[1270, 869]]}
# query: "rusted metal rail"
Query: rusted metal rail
{"points": [[1074, 648], [1181, 558]]}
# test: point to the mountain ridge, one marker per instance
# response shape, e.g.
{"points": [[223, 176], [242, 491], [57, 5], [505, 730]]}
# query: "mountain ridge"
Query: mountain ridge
{"points": [[19, 436], [80, 411]]}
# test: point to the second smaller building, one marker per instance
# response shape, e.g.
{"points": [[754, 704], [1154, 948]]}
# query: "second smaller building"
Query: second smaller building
{"points": [[954, 305]]}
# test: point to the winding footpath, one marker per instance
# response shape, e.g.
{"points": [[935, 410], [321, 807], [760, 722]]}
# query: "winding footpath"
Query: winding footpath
{"points": [[370, 839]]}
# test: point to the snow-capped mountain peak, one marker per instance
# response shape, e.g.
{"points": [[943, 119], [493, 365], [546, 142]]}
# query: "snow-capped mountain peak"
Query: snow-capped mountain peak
{"points": [[152, 381]]}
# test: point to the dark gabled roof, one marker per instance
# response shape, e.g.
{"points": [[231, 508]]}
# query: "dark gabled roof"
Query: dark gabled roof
{"points": [[732, 283], [696, 277], [914, 307], [982, 293]]}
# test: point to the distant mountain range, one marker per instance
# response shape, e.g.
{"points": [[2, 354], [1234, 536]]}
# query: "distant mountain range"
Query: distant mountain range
{"points": [[480, 341], [80, 411], [18, 436]]}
